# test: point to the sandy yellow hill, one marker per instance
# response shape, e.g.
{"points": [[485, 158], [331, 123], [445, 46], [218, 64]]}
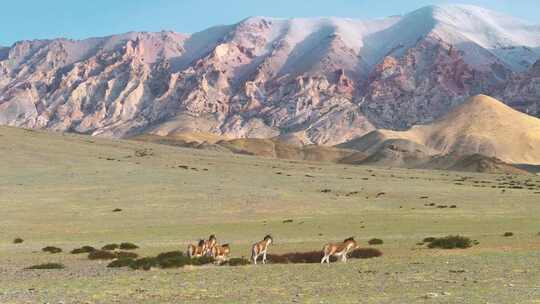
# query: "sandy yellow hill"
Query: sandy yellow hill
{"points": [[270, 147], [482, 125]]}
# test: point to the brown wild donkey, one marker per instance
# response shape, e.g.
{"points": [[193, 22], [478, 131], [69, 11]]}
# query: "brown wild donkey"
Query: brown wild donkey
{"points": [[221, 253], [338, 250], [195, 251], [209, 245], [260, 248]]}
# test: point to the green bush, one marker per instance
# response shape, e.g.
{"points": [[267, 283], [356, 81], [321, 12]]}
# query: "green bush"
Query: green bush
{"points": [[202, 260], [508, 234], [51, 249], [172, 259], [110, 247], [101, 255], [18, 241], [375, 242], [83, 249], [365, 253], [121, 263], [126, 255], [451, 242], [47, 266], [316, 256], [237, 262], [128, 246], [429, 239], [144, 263]]}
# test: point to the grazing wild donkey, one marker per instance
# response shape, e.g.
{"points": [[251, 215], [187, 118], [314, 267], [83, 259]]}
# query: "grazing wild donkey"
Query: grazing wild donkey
{"points": [[338, 250], [209, 245], [195, 251], [221, 253], [261, 248]]}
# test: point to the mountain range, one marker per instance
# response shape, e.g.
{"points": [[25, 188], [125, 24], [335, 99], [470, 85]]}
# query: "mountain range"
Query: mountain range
{"points": [[323, 81]]}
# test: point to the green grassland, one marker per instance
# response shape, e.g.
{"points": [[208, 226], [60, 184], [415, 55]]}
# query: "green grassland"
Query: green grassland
{"points": [[61, 189]]}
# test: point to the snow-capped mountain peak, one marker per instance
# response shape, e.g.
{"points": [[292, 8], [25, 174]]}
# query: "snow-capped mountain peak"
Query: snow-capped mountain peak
{"points": [[320, 80]]}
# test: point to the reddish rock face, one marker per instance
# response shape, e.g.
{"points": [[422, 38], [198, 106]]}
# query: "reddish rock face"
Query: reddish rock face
{"points": [[425, 83], [324, 80], [522, 91]]}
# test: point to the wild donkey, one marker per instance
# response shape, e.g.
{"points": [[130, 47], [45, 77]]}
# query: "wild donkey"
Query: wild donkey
{"points": [[261, 248], [221, 253], [195, 251], [210, 244], [338, 250]]}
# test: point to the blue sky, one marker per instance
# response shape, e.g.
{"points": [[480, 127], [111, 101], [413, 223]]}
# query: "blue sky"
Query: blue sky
{"points": [[38, 19]]}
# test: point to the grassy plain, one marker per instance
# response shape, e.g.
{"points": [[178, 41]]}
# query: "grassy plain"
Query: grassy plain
{"points": [[60, 190]]}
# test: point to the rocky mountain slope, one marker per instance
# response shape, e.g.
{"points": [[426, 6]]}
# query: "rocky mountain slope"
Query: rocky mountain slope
{"points": [[482, 125], [309, 81]]}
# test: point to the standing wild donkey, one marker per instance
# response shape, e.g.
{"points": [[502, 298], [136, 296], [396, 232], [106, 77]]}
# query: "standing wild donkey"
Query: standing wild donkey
{"points": [[221, 253], [195, 251], [338, 250], [260, 248], [209, 245]]}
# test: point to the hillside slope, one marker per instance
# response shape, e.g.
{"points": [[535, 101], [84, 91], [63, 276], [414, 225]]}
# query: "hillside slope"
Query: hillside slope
{"points": [[482, 125]]}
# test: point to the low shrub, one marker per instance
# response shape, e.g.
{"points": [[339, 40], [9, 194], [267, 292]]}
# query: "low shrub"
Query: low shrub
{"points": [[238, 262], [126, 255], [18, 241], [277, 259], [144, 263], [128, 246], [51, 249], [304, 257], [316, 256], [170, 254], [202, 260], [47, 266], [117, 210], [451, 242], [428, 239], [172, 259], [365, 253], [375, 241], [101, 255], [121, 263], [508, 234], [83, 249], [110, 247]]}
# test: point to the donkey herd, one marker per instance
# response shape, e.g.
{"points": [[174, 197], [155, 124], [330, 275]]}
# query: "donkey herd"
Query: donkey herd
{"points": [[221, 253]]}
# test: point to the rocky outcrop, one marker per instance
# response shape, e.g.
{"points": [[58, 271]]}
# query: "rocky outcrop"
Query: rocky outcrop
{"points": [[523, 91]]}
